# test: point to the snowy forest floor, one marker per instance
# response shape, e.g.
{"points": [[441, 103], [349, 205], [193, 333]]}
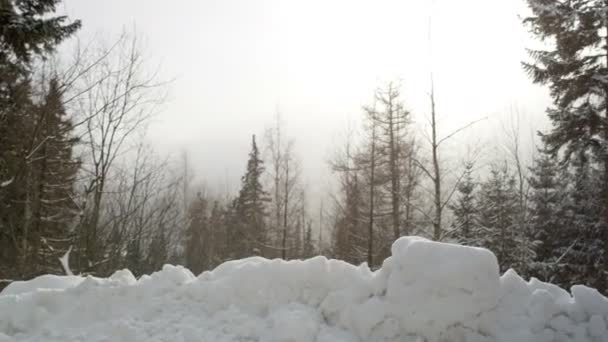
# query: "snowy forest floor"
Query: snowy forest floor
{"points": [[426, 291]]}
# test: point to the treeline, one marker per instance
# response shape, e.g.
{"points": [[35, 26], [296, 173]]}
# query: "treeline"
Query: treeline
{"points": [[273, 223], [77, 179]]}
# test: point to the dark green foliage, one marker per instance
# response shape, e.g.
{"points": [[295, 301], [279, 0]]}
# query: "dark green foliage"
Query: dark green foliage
{"points": [[575, 68], [308, 248], [36, 164], [53, 172], [198, 226], [465, 210], [546, 200], [250, 207], [38, 209], [350, 240], [158, 251], [498, 228], [26, 29]]}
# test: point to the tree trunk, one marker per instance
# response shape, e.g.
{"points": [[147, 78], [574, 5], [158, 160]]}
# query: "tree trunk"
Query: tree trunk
{"points": [[284, 245], [394, 171], [437, 174], [605, 157], [372, 181]]}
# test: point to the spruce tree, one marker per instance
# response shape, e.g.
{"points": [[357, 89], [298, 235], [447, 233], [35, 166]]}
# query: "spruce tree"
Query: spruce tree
{"points": [[197, 217], [251, 206], [498, 229], [546, 215], [217, 236], [583, 247], [575, 67], [466, 214], [350, 241], [308, 249], [28, 29], [158, 251], [53, 172]]}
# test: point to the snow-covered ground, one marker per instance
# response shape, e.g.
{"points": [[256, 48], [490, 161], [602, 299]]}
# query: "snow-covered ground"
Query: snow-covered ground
{"points": [[426, 291]]}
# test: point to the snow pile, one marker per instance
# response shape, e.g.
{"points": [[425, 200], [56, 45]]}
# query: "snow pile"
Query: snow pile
{"points": [[426, 291]]}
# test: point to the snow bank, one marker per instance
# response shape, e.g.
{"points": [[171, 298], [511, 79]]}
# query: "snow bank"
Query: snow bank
{"points": [[426, 291]]}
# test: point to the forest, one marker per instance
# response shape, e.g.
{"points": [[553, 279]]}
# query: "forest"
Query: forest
{"points": [[81, 191]]}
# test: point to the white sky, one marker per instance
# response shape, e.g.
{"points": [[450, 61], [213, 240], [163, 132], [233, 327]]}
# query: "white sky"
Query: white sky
{"points": [[236, 61]]}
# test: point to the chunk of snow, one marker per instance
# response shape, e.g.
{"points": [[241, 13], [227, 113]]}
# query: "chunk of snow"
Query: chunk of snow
{"points": [[426, 291], [6, 183]]}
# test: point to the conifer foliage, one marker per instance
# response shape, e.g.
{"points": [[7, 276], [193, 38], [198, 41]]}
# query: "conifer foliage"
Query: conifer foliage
{"points": [[37, 168], [251, 207], [575, 67]]}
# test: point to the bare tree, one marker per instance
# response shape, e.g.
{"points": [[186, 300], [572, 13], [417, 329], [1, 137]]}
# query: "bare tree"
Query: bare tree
{"points": [[440, 197], [115, 96], [285, 174]]}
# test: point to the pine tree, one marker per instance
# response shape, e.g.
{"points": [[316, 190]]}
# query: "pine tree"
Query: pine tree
{"points": [[582, 247], [28, 29], [251, 206], [158, 251], [216, 236], [545, 199], [575, 67], [195, 253], [54, 171], [465, 210], [308, 248], [498, 231], [350, 241]]}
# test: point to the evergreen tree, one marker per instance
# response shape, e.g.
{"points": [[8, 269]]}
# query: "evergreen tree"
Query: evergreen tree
{"points": [[582, 247], [498, 231], [158, 251], [216, 236], [251, 206], [575, 67], [27, 29], [54, 172], [308, 249], [195, 253], [465, 210], [350, 241], [545, 204]]}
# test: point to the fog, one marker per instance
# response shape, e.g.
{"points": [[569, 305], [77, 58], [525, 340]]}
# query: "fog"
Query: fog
{"points": [[234, 64]]}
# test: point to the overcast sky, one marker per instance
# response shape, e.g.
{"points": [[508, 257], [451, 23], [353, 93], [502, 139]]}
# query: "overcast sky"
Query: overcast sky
{"points": [[235, 62]]}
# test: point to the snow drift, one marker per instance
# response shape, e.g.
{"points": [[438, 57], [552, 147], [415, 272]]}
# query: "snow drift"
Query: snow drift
{"points": [[426, 291]]}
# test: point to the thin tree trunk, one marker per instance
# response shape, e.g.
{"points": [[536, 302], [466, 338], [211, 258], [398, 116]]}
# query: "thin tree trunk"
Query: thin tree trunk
{"points": [[605, 157], [284, 245], [394, 170], [437, 174], [372, 181], [37, 228]]}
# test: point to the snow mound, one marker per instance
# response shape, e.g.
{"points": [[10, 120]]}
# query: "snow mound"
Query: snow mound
{"points": [[426, 291]]}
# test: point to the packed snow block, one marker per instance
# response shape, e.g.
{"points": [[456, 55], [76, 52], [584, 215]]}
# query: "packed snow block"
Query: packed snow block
{"points": [[590, 300], [432, 286], [425, 292]]}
